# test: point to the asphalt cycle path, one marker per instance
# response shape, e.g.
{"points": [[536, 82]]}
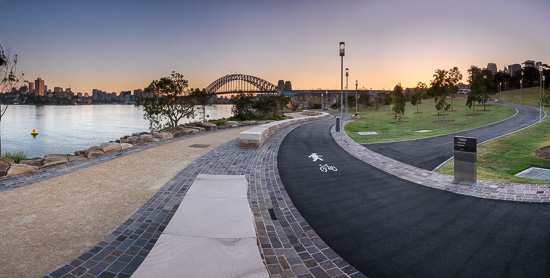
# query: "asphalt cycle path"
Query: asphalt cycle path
{"points": [[428, 153], [389, 227]]}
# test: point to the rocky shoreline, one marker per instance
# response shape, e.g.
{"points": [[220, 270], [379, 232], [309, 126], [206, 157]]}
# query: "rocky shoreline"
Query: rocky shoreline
{"points": [[9, 168]]}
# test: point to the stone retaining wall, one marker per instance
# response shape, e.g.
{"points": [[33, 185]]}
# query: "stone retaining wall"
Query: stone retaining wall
{"points": [[255, 137]]}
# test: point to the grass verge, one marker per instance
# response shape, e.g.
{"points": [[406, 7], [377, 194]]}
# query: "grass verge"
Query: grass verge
{"points": [[17, 156], [382, 121]]}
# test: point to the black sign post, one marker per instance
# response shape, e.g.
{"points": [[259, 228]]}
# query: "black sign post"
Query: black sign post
{"points": [[465, 159]]}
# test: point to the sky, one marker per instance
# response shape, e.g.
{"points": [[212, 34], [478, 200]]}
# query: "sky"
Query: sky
{"points": [[124, 45]]}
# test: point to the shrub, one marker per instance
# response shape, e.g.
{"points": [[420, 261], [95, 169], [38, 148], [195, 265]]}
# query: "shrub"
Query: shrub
{"points": [[17, 156]]}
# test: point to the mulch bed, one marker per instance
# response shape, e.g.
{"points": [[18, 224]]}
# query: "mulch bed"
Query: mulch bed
{"points": [[401, 122], [476, 114], [543, 152]]}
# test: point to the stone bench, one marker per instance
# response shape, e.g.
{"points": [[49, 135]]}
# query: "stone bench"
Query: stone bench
{"points": [[212, 234], [255, 137]]}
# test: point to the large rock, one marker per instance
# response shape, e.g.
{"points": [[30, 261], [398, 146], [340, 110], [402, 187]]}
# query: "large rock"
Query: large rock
{"points": [[150, 139], [32, 162], [209, 126], [17, 169], [147, 135], [5, 164], [94, 152], [231, 124], [80, 153], [125, 145], [110, 147], [76, 158], [55, 159], [164, 135]]}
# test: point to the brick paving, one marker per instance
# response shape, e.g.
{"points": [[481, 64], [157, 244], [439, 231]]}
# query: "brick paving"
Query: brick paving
{"points": [[533, 193], [288, 245]]}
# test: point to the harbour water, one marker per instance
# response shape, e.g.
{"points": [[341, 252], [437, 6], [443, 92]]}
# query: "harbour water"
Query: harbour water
{"points": [[65, 129]]}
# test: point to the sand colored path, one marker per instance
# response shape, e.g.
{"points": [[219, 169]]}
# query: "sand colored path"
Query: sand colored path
{"points": [[45, 225]]}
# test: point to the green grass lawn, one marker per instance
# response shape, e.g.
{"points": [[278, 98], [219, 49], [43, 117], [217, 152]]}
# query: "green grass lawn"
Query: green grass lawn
{"points": [[381, 121], [500, 159], [529, 96]]}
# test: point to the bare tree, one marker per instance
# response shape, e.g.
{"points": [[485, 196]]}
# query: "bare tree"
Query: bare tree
{"points": [[9, 79]]}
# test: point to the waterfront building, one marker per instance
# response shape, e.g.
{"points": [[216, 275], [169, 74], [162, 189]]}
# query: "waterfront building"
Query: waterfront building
{"points": [[39, 86], [288, 86], [529, 64], [492, 67], [57, 90], [31, 87]]}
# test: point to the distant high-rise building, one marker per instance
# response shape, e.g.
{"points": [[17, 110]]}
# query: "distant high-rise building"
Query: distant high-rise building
{"points": [[39, 86], [514, 68], [529, 64], [538, 64], [288, 86], [31, 87], [57, 90], [280, 85], [492, 67]]}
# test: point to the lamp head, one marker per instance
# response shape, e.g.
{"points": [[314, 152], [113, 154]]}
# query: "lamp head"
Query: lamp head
{"points": [[342, 48], [347, 71]]}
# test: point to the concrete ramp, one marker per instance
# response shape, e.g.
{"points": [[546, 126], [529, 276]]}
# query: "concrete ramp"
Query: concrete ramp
{"points": [[212, 234]]}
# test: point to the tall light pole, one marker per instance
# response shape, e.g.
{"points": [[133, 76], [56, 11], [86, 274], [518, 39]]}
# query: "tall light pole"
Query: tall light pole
{"points": [[347, 74], [356, 97], [540, 94], [342, 53], [500, 91], [520, 88]]}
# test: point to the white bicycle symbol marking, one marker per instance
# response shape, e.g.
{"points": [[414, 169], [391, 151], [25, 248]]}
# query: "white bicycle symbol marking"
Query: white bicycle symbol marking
{"points": [[326, 167]]}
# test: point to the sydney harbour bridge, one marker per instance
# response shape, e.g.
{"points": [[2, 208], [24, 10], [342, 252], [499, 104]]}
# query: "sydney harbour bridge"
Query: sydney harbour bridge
{"points": [[232, 83]]}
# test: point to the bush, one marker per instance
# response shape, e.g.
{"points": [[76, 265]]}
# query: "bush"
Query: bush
{"points": [[17, 156]]}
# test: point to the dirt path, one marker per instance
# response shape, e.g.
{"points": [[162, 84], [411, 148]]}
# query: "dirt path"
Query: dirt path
{"points": [[45, 225]]}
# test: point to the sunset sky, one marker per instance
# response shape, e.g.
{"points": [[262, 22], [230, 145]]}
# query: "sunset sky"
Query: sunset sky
{"points": [[123, 45]]}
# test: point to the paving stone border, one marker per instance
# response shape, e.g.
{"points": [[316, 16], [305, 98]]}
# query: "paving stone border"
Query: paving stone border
{"points": [[288, 245], [531, 193]]}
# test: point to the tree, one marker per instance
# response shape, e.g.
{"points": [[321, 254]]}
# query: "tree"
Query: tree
{"points": [[416, 96], [201, 97], [477, 87], [490, 86], [169, 103], [453, 77], [439, 90], [9, 78], [243, 105], [364, 99], [270, 105], [399, 101]]}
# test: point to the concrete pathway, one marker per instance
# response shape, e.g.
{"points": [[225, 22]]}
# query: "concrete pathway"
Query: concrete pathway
{"points": [[389, 227], [46, 224]]}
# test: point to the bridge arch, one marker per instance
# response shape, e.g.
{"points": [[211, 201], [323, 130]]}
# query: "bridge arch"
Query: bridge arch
{"points": [[220, 85]]}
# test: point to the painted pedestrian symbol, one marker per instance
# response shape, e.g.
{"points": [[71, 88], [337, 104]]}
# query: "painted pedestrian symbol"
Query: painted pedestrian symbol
{"points": [[315, 157], [326, 167]]}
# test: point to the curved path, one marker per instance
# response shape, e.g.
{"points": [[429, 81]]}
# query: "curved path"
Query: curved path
{"points": [[430, 152], [388, 227]]}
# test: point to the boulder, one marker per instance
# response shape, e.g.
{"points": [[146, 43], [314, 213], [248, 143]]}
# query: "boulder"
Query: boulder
{"points": [[76, 158], [110, 147], [94, 152], [37, 161], [5, 164], [150, 139], [17, 169], [164, 135], [54, 159], [143, 136], [80, 153], [125, 145], [231, 124], [209, 126]]}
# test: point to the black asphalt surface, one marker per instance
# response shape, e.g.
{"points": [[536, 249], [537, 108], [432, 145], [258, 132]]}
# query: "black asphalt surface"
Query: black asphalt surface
{"points": [[388, 227], [430, 152]]}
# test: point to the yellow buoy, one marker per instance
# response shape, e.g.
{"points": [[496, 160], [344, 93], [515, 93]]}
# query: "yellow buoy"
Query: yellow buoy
{"points": [[34, 132]]}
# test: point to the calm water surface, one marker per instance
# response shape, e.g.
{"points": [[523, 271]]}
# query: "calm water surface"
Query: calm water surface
{"points": [[65, 129]]}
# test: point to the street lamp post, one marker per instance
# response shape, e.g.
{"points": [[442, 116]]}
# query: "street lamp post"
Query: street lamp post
{"points": [[520, 88], [342, 53], [540, 94], [356, 97], [500, 91], [347, 74]]}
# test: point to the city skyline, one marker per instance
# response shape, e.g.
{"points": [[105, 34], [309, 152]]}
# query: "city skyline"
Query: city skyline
{"points": [[125, 45]]}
